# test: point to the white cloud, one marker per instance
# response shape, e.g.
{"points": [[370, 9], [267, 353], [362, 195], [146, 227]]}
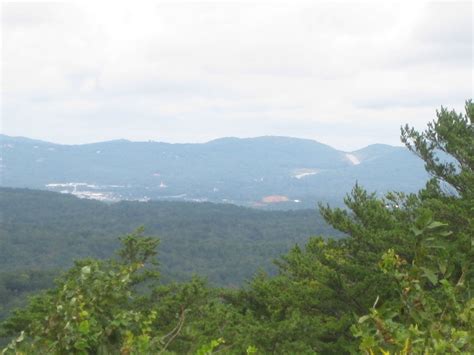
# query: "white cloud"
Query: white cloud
{"points": [[178, 71]]}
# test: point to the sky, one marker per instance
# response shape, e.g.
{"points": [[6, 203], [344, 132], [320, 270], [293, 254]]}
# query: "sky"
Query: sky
{"points": [[347, 74]]}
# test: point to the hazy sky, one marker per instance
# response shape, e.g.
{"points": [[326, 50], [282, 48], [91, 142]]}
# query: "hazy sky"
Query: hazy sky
{"points": [[343, 73]]}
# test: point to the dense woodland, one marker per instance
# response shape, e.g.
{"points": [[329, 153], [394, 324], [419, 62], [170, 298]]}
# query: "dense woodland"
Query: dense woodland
{"points": [[44, 232], [400, 282]]}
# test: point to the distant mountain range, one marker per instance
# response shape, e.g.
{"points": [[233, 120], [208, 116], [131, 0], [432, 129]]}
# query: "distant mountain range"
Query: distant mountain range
{"points": [[275, 172]]}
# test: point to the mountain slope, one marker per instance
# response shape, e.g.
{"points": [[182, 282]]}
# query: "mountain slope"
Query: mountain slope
{"points": [[243, 171], [44, 230]]}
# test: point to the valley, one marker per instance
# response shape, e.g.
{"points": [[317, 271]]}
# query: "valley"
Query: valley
{"points": [[248, 172]]}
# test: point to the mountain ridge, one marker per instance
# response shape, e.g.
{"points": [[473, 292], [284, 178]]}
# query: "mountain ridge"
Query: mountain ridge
{"points": [[212, 141], [248, 171]]}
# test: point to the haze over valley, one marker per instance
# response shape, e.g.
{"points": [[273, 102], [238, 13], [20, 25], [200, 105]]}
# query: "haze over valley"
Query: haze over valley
{"points": [[237, 177], [262, 172]]}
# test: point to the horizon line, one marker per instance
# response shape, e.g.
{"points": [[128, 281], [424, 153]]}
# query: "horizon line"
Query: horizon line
{"points": [[188, 143]]}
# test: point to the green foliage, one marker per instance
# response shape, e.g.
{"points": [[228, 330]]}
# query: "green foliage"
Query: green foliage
{"points": [[398, 283], [16, 285], [422, 285], [43, 232], [434, 309], [451, 134], [208, 349], [92, 309], [119, 306], [298, 311], [310, 305], [432, 314]]}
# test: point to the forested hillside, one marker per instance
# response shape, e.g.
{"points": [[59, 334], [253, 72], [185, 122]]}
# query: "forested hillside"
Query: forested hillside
{"points": [[300, 172], [43, 232], [224, 242], [399, 282]]}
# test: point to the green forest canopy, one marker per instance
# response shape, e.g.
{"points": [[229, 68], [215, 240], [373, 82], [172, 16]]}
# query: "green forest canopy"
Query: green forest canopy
{"points": [[400, 282], [43, 232]]}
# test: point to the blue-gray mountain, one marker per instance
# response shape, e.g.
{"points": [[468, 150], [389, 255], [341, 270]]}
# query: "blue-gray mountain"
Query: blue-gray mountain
{"points": [[272, 172]]}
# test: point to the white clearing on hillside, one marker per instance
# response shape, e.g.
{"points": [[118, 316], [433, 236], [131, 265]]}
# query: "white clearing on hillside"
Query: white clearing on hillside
{"points": [[353, 159], [301, 173]]}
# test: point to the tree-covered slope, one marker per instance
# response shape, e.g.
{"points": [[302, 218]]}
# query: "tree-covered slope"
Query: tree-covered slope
{"points": [[242, 171], [227, 243], [400, 282]]}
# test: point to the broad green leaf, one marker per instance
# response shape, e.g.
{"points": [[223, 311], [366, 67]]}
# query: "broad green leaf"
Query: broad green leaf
{"points": [[430, 275]]}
